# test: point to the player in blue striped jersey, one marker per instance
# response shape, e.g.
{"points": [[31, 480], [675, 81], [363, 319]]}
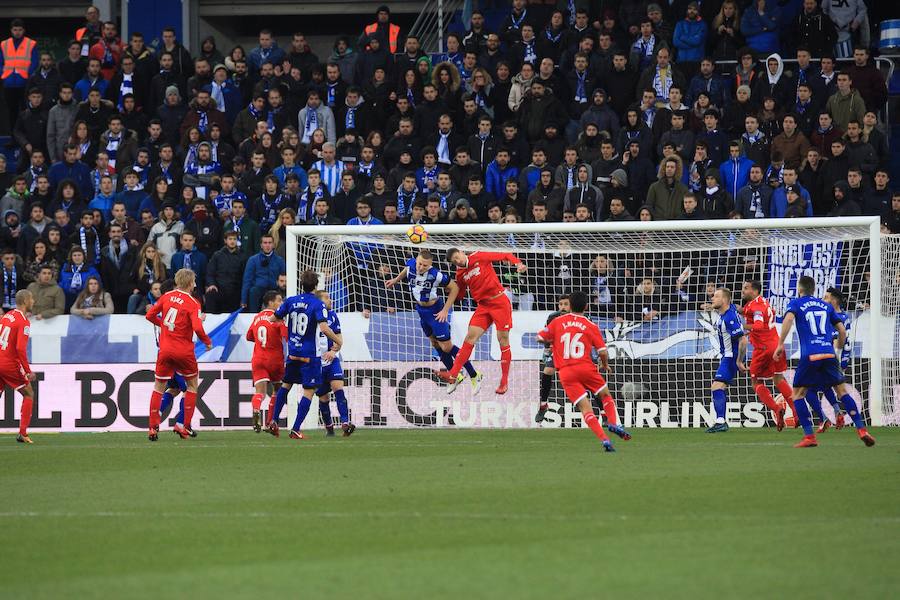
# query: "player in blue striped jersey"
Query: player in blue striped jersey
{"points": [[835, 298], [424, 281], [332, 374], [819, 365], [729, 331]]}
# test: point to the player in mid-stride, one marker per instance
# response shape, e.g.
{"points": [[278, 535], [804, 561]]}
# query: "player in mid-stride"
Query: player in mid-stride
{"points": [[574, 339], [730, 332], [424, 280], [179, 322], [332, 374], [760, 324], [475, 272], [819, 365], [267, 363], [306, 317], [14, 369]]}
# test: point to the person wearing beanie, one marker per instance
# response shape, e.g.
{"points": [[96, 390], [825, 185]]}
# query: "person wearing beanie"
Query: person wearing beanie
{"points": [[844, 205], [387, 33], [161, 82], [619, 190], [171, 114], [715, 203]]}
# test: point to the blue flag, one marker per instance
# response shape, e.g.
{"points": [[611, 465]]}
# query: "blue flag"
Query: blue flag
{"points": [[220, 336]]}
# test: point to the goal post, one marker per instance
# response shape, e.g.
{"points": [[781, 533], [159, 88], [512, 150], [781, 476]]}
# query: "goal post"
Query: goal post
{"points": [[649, 284]]}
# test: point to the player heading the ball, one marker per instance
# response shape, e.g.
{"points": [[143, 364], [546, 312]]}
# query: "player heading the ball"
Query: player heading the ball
{"points": [[475, 272]]}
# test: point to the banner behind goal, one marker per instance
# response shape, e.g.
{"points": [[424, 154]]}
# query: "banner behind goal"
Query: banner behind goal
{"points": [[650, 286]]}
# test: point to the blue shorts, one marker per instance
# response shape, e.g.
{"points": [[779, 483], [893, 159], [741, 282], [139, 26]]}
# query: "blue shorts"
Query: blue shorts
{"points": [[727, 370], [177, 381], [824, 373], [307, 374], [430, 325], [331, 372]]}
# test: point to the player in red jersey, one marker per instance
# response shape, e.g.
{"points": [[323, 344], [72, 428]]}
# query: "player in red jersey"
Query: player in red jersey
{"points": [[476, 272], [267, 364], [14, 369], [759, 321], [574, 339], [179, 322]]}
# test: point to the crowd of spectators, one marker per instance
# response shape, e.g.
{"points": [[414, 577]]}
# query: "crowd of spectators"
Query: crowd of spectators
{"points": [[136, 161]]}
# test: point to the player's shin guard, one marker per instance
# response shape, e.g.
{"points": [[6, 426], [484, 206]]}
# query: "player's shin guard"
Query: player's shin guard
{"points": [[852, 410], [302, 411], [155, 400], [166, 402], [505, 362], [179, 418], [325, 409], [341, 400], [609, 409], [190, 402], [468, 364], [590, 419], [25, 415], [447, 359], [812, 398], [803, 416], [280, 401], [462, 357], [256, 402], [271, 410], [546, 386], [720, 400], [765, 396], [788, 392], [833, 401]]}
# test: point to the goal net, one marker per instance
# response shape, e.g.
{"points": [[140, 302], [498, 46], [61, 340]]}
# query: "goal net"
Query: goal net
{"points": [[650, 285]]}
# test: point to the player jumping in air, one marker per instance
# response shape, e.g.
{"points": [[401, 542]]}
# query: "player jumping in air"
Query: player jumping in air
{"points": [[730, 332], [476, 272], [424, 280], [267, 364], [819, 366], [760, 323], [180, 321], [332, 374], [574, 339], [547, 368], [835, 298], [15, 371], [306, 316]]}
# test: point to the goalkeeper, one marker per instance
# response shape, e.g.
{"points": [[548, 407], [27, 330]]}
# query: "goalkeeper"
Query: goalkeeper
{"points": [[548, 369]]}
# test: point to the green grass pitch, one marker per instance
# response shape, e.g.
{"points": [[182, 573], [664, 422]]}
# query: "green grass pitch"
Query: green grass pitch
{"points": [[451, 514]]}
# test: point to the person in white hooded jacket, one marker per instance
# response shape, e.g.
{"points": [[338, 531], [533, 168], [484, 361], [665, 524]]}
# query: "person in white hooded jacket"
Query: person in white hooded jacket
{"points": [[773, 82]]}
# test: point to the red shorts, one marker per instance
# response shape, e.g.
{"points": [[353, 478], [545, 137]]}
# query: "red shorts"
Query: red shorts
{"points": [[497, 311], [267, 369], [169, 363], [13, 377], [577, 380], [763, 364]]}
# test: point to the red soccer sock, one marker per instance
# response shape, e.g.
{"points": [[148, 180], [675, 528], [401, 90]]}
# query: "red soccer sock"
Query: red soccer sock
{"points": [[256, 402], [190, 402], [155, 402], [25, 417], [590, 419], [766, 397], [788, 392], [270, 410], [609, 409], [505, 362], [462, 357]]}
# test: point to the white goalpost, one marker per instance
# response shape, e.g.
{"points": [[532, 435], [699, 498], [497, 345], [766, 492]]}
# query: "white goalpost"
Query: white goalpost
{"points": [[649, 284]]}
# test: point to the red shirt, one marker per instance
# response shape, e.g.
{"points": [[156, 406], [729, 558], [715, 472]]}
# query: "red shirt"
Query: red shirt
{"points": [[760, 318], [574, 337], [14, 331], [479, 276], [179, 322], [268, 338]]}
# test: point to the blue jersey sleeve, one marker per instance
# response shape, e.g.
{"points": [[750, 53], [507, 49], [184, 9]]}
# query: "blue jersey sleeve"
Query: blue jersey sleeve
{"points": [[441, 279], [793, 308], [334, 322], [733, 324], [282, 310]]}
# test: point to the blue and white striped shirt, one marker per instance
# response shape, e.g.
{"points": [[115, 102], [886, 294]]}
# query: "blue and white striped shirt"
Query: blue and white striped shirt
{"points": [[331, 176]]}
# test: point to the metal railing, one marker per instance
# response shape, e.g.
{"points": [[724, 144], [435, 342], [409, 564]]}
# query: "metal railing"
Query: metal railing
{"points": [[431, 24]]}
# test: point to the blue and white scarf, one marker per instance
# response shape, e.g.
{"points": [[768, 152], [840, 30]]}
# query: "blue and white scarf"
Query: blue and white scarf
{"points": [[350, 118], [312, 123], [203, 121], [530, 54], [9, 288], [76, 277], [331, 94], [112, 148], [127, 87], [82, 234], [405, 200], [580, 93]]}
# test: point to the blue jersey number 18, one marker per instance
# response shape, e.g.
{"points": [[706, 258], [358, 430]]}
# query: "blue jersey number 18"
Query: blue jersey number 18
{"points": [[299, 322]]}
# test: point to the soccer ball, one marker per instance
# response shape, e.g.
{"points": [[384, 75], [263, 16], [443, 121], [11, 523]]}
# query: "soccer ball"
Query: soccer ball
{"points": [[417, 234]]}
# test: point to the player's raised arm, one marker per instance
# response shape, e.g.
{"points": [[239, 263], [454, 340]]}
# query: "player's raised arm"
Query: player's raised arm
{"points": [[786, 324], [395, 280], [505, 257]]}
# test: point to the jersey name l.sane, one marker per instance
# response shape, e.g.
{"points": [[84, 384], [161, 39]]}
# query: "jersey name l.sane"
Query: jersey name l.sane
{"points": [[574, 339]]}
